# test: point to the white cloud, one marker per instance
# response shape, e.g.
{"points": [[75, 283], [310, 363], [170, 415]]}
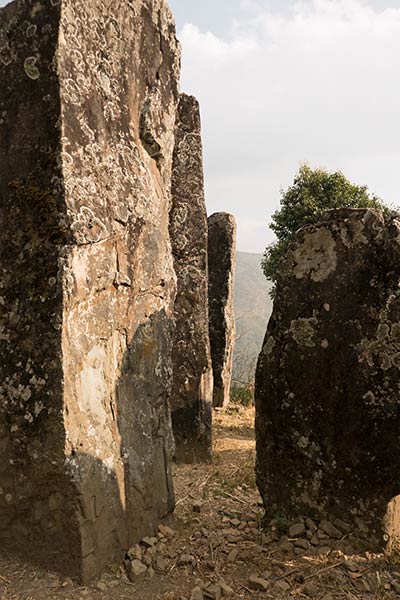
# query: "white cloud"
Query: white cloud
{"points": [[320, 84]]}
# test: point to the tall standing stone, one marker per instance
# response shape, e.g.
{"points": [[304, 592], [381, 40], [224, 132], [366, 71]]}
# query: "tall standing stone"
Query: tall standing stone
{"points": [[191, 397], [328, 380], [88, 93], [221, 267]]}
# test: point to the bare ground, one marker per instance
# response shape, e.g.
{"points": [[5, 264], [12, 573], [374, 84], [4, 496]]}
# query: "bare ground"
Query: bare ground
{"points": [[217, 540]]}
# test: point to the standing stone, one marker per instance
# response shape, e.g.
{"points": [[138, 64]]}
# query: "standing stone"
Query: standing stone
{"points": [[328, 380], [191, 397], [221, 267], [88, 94]]}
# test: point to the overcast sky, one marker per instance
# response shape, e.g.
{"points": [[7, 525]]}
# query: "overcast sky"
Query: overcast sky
{"points": [[282, 82]]}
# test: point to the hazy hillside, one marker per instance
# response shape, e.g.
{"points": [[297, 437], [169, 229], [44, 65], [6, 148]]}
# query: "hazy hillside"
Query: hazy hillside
{"points": [[253, 307]]}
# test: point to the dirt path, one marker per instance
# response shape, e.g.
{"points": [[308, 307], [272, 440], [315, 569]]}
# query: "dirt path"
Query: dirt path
{"points": [[216, 546]]}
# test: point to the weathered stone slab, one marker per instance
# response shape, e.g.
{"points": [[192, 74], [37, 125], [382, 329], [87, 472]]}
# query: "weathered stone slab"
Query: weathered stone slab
{"points": [[221, 267], [328, 381], [88, 94], [191, 397]]}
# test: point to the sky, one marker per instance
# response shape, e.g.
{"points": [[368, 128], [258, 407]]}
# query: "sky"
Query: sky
{"points": [[282, 82]]}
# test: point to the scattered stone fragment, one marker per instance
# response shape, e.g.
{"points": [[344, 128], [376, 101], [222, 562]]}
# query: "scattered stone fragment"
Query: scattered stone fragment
{"points": [[161, 564], [311, 525], [225, 589], [351, 566], [233, 554], [342, 526], [283, 586], [301, 543], [135, 552], [213, 592], [149, 542], [166, 531], [330, 530], [396, 586], [297, 530], [135, 569], [258, 583], [185, 559], [197, 594], [286, 547], [324, 550], [310, 590], [196, 507], [101, 586]]}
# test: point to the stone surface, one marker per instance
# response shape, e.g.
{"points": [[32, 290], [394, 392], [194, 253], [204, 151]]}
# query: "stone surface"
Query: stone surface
{"points": [[88, 97], [327, 383], [221, 267], [191, 396]]}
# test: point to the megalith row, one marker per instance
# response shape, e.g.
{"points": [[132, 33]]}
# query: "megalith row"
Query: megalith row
{"points": [[104, 285], [192, 389], [328, 381], [221, 265]]}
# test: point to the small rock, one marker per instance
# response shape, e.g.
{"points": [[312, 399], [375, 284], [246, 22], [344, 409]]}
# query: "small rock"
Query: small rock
{"points": [[311, 525], [197, 594], [396, 586], [283, 586], [302, 544], [196, 507], [135, 552], [151, 572], [297, 530], [101, 586], [136, 569], [275, 535], [310, 590], [204, 532], [330, 530], [53, 581], [351, 566], [166, 531], [147, 560], [314, 540], [324, 551], [235, 522], [286, 547], [225, 590], [185, 559], [258, 583], [233, 554], [342, 526], [321, 535], [149, 542], [213, 592], [161, 564]]}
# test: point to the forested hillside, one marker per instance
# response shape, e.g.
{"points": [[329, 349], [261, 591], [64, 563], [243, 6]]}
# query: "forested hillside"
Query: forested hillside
{"points": [[253, 307]]}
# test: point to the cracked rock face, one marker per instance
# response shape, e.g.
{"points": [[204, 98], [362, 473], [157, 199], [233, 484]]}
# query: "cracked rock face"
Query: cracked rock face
{"points": [[87, 111], [221, 269], [191, 396], [328, 379]]}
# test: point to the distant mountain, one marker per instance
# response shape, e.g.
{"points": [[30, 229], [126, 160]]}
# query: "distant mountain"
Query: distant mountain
{"points": [[253, 307]]}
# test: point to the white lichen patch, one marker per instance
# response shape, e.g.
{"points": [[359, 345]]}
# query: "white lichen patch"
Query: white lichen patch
{"points": [[31, 68], [384, 349], [304, 331], [316, 256]]}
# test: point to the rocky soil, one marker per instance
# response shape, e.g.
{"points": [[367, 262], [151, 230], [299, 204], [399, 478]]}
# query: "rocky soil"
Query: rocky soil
{"points": [[216, 547]]}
